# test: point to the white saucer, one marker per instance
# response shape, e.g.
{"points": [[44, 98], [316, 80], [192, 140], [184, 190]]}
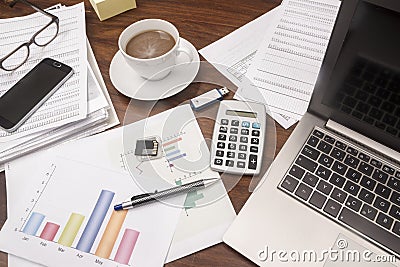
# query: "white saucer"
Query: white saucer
{"points": [[129, 83]]}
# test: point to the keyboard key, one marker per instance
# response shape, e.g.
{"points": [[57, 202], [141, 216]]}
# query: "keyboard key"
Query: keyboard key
{"points": [[221, 145], [366, 196], [245, 124], [365, 168], [384, 220], [339, 167], [233, 138], [255, 133], [323, 172], [310, 152], [380, 176], [351, 188], [303, 191], [332, 208], [353, 203], [235, 123], [223, 129], [244, 131], [224, 122], [255, 141], [368, 183], [388, 169], [229, 163], [376, 163], [338, 154], [383, 191], [324, 147], [318, 134], [381, 204], [352, 151], [340, 145], [253, 161], [296, 171], [231, 146], [256, 125], [242, 147], [222, 137], [253, 149], [289, 183], [240, 164], [244, 139], [353, 175], [398, 174], [395, 212], [337, 180], [369, 212], [329, 139], [364, 157], [234, 130], [230, 154], [370, 229], [241, 156], [351, 161], [310, 179], [339, 195], [219, 153], [395, 198], [317, 199], [313, 141], [306, 163], [394, 183], [396, 228], [218, 161], [325, 160], [324, 187]]}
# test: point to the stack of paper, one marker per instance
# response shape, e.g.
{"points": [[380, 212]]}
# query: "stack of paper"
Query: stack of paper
{"points": [[277, 57], [79, 107]]}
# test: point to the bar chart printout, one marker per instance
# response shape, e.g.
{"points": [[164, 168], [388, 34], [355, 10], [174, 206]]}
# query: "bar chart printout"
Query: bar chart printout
{"points": [[75, 222]]}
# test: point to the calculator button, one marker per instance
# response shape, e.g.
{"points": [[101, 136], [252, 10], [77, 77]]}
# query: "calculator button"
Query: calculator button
{"points": [[223, 129], [233, 138], [240, 164], [229, 163], [245, 124], [235, 123], [241, 156], [231, 146], [244, 139], [222, 137], [221, 145], [230, 154], [218, 161], [234, 131], [242, 147], [255, 133], [255, 141], [256, 125], [219, 153], [244, 131], [252, 161], [254, 149], [224, 122]]}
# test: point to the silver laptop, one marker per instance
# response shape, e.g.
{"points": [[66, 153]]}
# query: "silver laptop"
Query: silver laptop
{"points": [[332, 195]]}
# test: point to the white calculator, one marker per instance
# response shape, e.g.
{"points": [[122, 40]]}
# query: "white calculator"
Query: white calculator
{"points": [[238, 137]]}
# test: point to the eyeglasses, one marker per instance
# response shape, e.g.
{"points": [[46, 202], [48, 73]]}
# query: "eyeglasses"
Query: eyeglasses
{"points": [[43, 37]]}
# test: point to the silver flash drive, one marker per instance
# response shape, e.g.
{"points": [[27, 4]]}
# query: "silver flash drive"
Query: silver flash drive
{"points": [[208, 98]]}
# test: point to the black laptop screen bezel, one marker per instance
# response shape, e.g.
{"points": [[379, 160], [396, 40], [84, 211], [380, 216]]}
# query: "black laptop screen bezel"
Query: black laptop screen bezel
{"points": [[317, 107]]}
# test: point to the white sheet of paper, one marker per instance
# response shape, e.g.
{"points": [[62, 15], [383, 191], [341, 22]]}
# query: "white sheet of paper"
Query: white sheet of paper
{"points": [[69, 103], [288, 60]]}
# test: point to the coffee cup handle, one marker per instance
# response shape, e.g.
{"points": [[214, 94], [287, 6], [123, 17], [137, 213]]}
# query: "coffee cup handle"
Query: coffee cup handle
{"points": [[186, 50]]}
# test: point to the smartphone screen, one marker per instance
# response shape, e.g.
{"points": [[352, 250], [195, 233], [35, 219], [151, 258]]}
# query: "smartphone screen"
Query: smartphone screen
{"points": [[29, 93]]}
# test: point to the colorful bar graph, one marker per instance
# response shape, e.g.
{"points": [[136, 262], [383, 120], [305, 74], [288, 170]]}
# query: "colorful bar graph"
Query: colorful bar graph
{"points": [[49, 231], [110, 234], [172, 142], [95, 221], [71, 229], [33, 224], [126, 246]]}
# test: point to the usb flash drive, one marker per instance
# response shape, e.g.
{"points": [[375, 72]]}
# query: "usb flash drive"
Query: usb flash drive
{"points": [[208, 98]]}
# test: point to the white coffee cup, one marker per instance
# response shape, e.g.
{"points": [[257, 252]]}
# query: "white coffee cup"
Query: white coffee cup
{"points": [[159, 67]]}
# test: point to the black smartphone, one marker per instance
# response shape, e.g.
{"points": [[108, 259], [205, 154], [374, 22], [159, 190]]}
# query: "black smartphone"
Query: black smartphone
{"points": [[29, 93]]}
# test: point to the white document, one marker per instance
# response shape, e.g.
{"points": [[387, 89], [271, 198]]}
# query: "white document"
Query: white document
{"points": [[233, 54], [199, 227], [288, 60], [69, 103]]}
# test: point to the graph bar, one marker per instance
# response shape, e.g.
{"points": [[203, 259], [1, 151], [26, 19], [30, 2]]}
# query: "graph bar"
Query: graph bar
{"points": [[172, 153], [177, 157], [49, 231], [172, 141], [71, 229], [95, 221], [33, 224], [169, 148], [126, 246], [110, 234]]}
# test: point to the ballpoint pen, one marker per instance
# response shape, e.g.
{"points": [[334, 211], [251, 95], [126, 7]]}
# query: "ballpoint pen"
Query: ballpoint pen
{"points": [[151, 197]]}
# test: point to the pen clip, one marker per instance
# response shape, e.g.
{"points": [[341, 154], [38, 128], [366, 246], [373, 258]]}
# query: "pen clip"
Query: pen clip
{"points": [[140, 196]]}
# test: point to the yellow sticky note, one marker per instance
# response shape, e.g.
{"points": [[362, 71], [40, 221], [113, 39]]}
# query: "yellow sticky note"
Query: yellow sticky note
{"points": [[109, 8]]}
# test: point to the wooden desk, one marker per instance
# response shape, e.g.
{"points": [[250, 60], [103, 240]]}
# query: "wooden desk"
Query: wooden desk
{"points": [[199, 21]]}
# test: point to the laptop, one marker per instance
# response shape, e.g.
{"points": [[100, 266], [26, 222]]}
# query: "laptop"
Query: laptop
{"points": [[332, 195]]}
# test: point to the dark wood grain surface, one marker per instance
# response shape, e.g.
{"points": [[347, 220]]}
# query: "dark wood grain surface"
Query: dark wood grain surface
{"points": [[199, 21]]}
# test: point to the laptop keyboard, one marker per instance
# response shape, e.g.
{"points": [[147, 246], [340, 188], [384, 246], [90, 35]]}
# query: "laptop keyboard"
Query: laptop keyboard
{"points": [[348, 185]]}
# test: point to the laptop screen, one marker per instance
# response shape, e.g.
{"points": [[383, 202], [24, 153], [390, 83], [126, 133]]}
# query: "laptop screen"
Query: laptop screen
{"points": [[359, 82]]}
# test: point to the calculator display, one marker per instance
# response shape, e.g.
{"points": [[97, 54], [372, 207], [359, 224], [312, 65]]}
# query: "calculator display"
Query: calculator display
{"points": [[241, 113]]}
